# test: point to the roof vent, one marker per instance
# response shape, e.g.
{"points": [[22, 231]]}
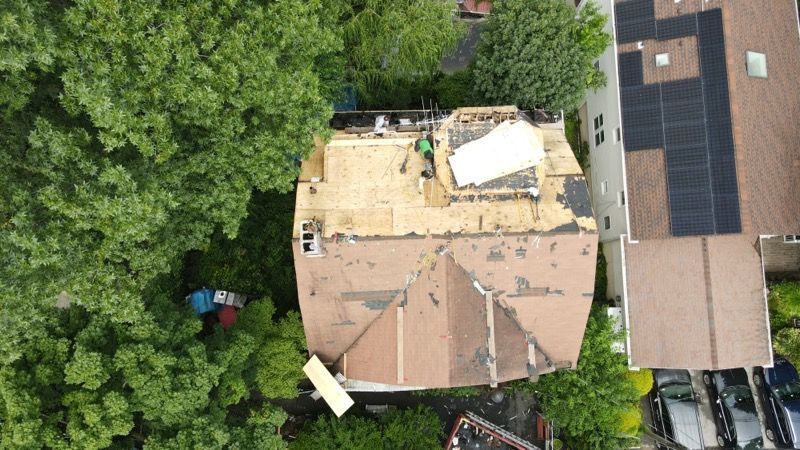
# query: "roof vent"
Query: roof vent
{"points": [[311, 239]]}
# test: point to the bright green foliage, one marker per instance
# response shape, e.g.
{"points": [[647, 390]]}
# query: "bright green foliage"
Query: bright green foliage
{"points": [[536, 54], [153, 381], [393, 42], [787, 344], [26, 47], [157, 123], [642, 380], [409, 429], [630, 420], [278, 349], [784, 304], [588, 403]]}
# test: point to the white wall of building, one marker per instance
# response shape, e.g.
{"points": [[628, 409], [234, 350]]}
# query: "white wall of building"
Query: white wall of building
{"points": [[606, 159], [605, 146]]}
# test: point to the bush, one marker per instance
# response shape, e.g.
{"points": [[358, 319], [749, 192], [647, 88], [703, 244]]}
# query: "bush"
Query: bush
{"points": [[784, 304], [464, 391], [630, 421], [787, 344], [642, 380], [455, 90], [418, 428]]}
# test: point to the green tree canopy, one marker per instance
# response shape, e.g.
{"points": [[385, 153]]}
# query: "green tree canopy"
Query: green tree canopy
{"points": [[80, 380], [589, 404], [152, 129], [394, 43], [538, 54], [411, 429]]}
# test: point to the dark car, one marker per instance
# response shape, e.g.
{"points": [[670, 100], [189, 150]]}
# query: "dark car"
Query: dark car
{"points": [[734, 409], [674, 408], [779, 389]]}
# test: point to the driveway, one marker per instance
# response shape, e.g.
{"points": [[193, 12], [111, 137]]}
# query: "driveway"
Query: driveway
{"points": [[706, 416]]}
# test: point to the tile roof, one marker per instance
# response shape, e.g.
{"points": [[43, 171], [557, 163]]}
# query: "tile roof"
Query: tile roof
{"points": [[696, 302]]}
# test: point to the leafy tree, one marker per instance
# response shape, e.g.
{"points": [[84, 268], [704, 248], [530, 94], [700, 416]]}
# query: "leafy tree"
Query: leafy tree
{"points": [[151, 131], [455, 90], [418, 428], [588, 403], [79, 379], [538, 54], [398, 42], [259, 262]]}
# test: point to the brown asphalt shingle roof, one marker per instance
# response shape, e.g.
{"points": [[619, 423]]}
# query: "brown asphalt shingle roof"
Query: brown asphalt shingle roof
{"points": [[696, 302]]}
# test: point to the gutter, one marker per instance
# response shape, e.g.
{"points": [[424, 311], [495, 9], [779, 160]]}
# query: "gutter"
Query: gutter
{"points": [[766, 294], [625, 303]]}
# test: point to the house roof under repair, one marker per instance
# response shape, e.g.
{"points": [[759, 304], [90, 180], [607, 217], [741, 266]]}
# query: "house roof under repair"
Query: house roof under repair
{"points": [[409, 283]]}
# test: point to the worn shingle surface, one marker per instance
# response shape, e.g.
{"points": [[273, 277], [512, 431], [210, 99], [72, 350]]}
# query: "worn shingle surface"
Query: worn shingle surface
{"points": [[696, 302], [648, 202]]}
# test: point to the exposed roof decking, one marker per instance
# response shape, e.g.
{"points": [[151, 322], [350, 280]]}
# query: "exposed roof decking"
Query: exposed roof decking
{"points": [[401, 304], [363, 192]]}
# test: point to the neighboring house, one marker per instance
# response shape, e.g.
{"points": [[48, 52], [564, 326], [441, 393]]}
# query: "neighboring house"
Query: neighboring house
{"points": [[403, 287], [781, 255], [474, 7], [694, 156]]}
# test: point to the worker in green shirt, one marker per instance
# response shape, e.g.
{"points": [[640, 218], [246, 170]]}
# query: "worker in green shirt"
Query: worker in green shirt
{"points": [[425, 148]]}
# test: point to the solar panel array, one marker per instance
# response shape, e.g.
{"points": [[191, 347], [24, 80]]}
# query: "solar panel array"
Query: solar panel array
{"points": [[690, 119], [636, 20], [676, 27], [711, 41]]}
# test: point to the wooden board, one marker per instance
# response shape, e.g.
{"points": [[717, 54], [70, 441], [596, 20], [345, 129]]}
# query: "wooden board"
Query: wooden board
{"points": [[331, 391], [314, 166]]}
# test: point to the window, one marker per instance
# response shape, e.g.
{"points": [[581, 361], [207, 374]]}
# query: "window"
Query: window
{"points": [[792, 239], [662, 59], [599, 138], [600, 135], [607, 222], [598, 122], [604, 187], [617, 135], [621, 199], [757, 64]]}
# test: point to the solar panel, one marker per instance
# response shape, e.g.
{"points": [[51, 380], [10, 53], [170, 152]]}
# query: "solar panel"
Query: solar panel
{"points": [[641, 117], [711, 43], [676, 27], [636, 20], [690, 119], [631, 70]]}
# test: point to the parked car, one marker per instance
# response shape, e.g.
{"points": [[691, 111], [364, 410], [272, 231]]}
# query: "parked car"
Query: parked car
{"points": [[779, 390], [734, 409], [673, 406]]}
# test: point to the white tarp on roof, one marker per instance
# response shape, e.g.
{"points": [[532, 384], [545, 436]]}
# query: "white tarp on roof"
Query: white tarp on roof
{"points": [[326, 384], [508, 148]]}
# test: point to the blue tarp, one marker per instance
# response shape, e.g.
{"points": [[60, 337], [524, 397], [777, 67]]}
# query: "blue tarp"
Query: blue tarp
{"points": [[202, 301]]}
